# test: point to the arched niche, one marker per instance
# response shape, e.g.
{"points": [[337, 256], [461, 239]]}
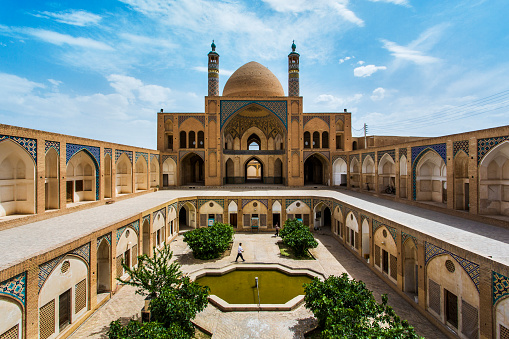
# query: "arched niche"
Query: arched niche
{"points": [[141, 175], [386, 174], [169, 173], [103, 267], [316, 171], [107, 176], [501, 317], [338, 217], [339, 172], [322, 216], [51, 180], [145, 228], [385, 253], [352, 230], [210, 212], [171, 220], [255, 214], [192, 170], [159, 229], [431, 178], [229, 177], [124, 175], [461, 181], [80, 176], [233, 213], [410, 267], [368, 173], [299, 210], [278, 172], [17, 180], [154, 172], [11, 321], [494, 181], [253, 135], [355, 173], [254, 170], [187, 216], [365, 240], [403, 176]]}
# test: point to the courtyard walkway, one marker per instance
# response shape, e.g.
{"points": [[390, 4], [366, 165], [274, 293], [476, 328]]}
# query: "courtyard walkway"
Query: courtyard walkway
{"points": [[331, 259]]}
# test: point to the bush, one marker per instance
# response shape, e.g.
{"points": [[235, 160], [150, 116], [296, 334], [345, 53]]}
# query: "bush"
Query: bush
{"points": [[210, 242], [345, 308], [298, 237], [135, 329]]}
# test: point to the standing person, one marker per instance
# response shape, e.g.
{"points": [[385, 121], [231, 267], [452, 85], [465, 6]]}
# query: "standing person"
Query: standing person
{"points": [[239, 253], [277, 230]]}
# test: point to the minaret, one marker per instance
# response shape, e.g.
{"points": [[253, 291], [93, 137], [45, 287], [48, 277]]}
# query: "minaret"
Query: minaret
{"points": [[213, 71], [293, 72]]}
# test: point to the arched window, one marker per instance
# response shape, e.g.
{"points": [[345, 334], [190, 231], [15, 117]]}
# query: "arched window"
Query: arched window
{"points": [[254, 142], [354, 145], [201, 139], [183, 139], [307, 140], [325, 140], [192, 141], [316, 140]]}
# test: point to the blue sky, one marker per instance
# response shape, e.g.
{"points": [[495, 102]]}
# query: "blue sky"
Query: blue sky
{"points": [[102, 69]]}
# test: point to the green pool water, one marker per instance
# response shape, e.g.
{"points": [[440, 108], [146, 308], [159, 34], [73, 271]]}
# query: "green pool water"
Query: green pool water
{"points": [[239, 287]]}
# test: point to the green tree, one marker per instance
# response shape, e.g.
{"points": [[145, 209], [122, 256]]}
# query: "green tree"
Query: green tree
{"points": [[345, 308], [210, 242], [298, 237]]}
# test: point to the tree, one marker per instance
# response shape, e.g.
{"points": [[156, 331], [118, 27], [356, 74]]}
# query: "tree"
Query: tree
{"points": [[210, 242], [345, 308], [298, 237]]}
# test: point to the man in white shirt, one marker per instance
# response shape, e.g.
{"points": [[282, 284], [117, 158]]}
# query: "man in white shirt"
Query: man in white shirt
{"points": [[239, 253]]}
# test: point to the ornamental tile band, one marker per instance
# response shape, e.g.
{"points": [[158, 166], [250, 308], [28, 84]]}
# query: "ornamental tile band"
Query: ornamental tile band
{"points": [[370, 154], [500, 285], [200, 118], [51, 144], [288, 202], [471, 268], [141, 154], [145, 218], [485, 145], [154, 156], [95, 154], [106, 237], [418, 151], [119, 152], [108, 151], [201, 202], [325, 118], [377, 224], [380, 154], [162, 211], [15, 287], [460, 146], [405, 236], [402, 151], [230, 107], [30, 145]]}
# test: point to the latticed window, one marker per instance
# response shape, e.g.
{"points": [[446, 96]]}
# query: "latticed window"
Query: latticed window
{"points": [[80, 296], [11, 333], [47, 320], [470, 320], [120, 269], [377, 255], [504, 332], [134, 255], [394, 267], [434, 296]]}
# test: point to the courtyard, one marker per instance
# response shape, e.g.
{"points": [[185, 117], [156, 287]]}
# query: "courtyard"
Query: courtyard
{"points": [[331, 259]]}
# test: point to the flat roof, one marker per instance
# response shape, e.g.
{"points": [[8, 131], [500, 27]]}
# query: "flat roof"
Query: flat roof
{"points": [[26, 241]]}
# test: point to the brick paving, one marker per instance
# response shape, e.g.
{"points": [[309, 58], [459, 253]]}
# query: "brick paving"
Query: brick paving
{"points": [[332, 259]]}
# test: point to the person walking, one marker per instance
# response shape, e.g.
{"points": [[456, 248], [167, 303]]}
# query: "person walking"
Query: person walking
{"points": [[277, 230], [239, 253]]}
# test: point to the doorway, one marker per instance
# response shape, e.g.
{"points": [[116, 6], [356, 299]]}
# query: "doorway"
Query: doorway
{"points": [[70, 191], [64, 309]]}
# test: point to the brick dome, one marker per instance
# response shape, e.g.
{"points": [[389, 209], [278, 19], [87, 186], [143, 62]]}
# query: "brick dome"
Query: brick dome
{"points": [[253, 80]]}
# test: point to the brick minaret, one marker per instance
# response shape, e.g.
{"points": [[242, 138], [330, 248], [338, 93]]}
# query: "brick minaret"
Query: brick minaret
{"points": [[293, 72], [213, 71]]}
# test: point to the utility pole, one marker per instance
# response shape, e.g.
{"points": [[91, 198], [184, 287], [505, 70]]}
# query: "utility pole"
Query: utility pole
{"points": [[365, 139]]}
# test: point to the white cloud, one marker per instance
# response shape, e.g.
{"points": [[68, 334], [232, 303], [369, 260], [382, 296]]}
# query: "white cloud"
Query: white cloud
{"points": [[54, 82], [345, 59], [368, 70], [361, 62], [405, 53], [378, 94], [145, 40], [72, 17], [334, 102], [396, 2], [64, 39]]}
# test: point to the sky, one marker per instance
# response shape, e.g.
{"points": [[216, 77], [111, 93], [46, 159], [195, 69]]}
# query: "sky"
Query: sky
{"points": [[102, 69]]}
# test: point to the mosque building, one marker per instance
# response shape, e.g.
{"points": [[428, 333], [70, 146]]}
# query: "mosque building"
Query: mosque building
{"points": [[71, 209]]}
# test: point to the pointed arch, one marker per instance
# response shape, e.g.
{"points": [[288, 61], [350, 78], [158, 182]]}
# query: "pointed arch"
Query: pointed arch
{"points": [[140, 183], [154, 172], [430, 177], [386, 174], [339, 172], [103, 267], [51, 180], [494, 181], [81, 179], [169, 173], [254, 170], [107, 176], [124, 181]]}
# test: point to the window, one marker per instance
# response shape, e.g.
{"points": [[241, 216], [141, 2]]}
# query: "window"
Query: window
{"points": [[339, 144], [451, 308], [307, 140], [316, 140], [325, 140], [201, 139], [158, 237], [385, 261], [170, 141], [127, 257], [192, 141], [79, 185], [183, 139]]}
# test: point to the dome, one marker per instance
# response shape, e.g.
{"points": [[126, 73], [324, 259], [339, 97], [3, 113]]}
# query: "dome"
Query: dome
{"points": [[253, 80]]}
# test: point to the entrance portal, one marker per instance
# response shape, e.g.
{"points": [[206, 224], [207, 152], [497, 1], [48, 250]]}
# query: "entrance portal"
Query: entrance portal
{"points": [[314, 171], [254, 171]]}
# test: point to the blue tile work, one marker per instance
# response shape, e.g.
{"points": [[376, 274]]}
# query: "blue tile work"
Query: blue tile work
{"points": [[95, 154], [471, 268], [182, 203], [30, 145], [295, 118], [220, 202], [500, 286], [200, 118], [147, 217], [182, 154], [417, 153], [327, 203], [485, 145], [135, 225], [342, 156], [106, 237], [15, 287], [108, 151], [141, 154], [364, 217], [365, 155], [119, 152], [338, 205], [156, 156], [354, 212], [119, 232], [162, 210], [307, 118], [377, 224], [46, 268], [51, 144], [405, 236], [391, 152], [291, 201], [212, 118], [230, 107], [173, 157], [460, 145], [174, 205], [402, 151], [354, 156]]}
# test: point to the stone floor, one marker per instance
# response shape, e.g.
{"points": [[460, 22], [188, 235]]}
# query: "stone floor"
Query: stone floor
{"points": [[331, 259]]}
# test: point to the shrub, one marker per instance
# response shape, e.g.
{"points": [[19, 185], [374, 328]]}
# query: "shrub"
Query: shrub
{"points": [[345, 308], [298, 237], [151, 330], [210, 242]]}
